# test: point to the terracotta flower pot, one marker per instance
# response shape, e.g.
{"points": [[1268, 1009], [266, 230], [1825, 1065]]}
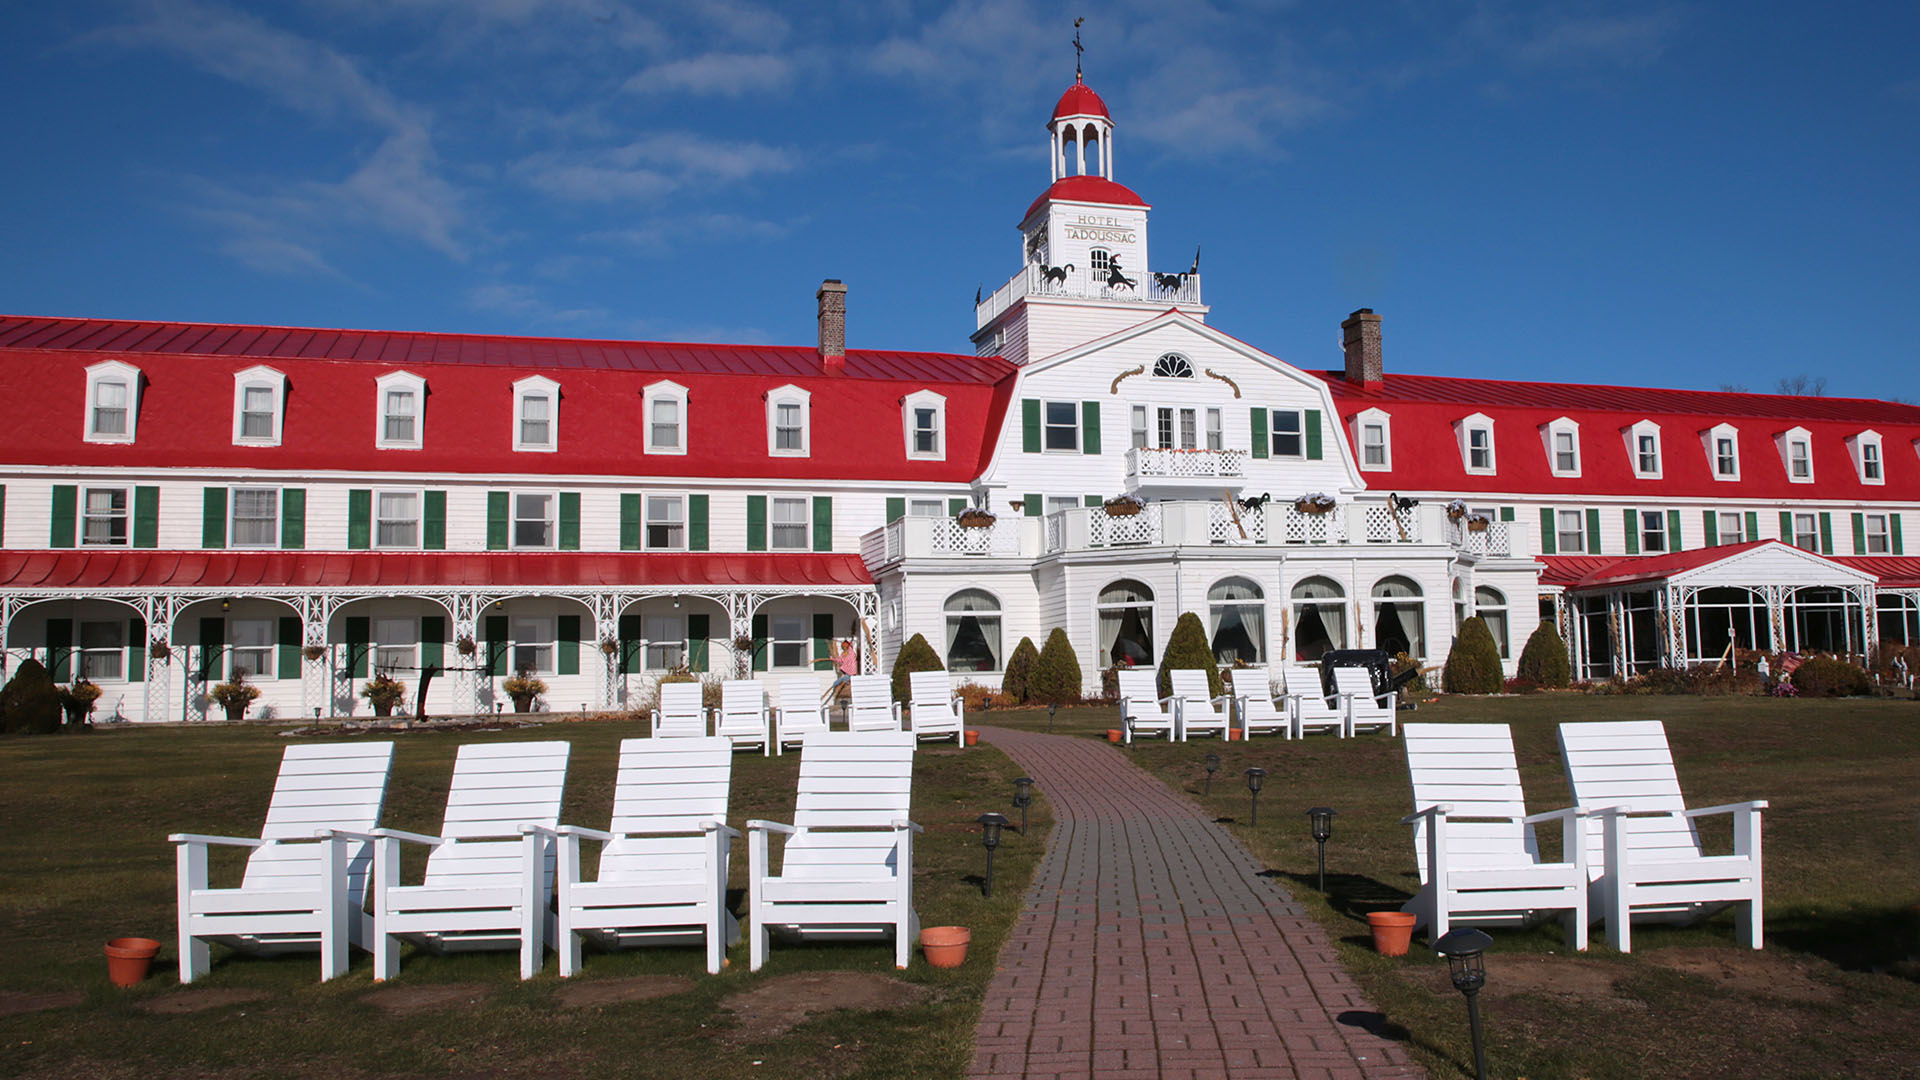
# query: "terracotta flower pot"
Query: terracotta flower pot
{"points": [[522, 702], [237, 711], [973, 737], [129, 959], [1392, 931], [945, 946], [1113, 734]]}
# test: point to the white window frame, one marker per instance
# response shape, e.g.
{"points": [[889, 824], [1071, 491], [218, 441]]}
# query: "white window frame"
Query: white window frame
{"points": [[1868, 535], [1739, 529], [806, 521], [552, 519], [1299, 433], [407, 641], [775, 642], [106, 372], [916, 507], [665, 390], [261, 377], [1046, 404], [233, 516], [646, 519], [909, 407], [1813, 531], [419, 519], [1659, 521], [671, 646], [395, 382], [1633, 433], [263, 648], [789, 395], [1140, 435], [1361, 422], [542, 639], [1785, 442], [125, 516], [1858, 447], [84, 655], [530, 387], [1465, 429], [1561, 532], [1549, 435], [1710, 438], [1216, 431]]}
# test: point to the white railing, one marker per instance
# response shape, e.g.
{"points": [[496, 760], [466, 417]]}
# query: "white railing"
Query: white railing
{"points": [[1146, 462], [1056, 532], [1495, 539], [882, 545], [1107, 530], [1304, 528], [1002, 538], [1385, 526], [1222, 528], [1079, 282]]}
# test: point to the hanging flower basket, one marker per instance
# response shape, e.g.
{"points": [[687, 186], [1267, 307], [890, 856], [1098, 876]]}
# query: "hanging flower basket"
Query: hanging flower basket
{"points": [[976, 519], [609, 646], [159, 650], [1315, 502], [464, 646], [314, 652], [743, 643], [1122, 506], [1478, 523], [1456, 510]]}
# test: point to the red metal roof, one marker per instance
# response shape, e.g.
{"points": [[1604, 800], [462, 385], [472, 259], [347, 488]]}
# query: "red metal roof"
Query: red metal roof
{"points": [[1080, 100], [1567, 570], [417, 570], [1606, 571], [1894, 571], [1089, 189]]}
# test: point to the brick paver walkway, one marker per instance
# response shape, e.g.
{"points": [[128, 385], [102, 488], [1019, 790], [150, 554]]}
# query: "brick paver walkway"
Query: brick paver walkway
{"points": [[1151, 947]]}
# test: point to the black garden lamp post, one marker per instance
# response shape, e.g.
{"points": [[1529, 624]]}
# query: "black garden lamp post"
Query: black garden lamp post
{"points": [[990, 826], [1212, 762], [1023, 798], [1255, 777], [1465, 951], [1321, 820]]}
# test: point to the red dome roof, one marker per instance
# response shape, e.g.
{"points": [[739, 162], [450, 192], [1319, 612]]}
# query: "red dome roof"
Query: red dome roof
{"points": [[1080, 100], [1091, 189]]}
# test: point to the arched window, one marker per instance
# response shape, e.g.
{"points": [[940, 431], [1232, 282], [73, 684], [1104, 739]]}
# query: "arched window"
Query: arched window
{"points": [[1399, 620], [1099, 260], [1237, 613], [973, 631], [1173, 366], [1126, 623], [1319, 618], [1491, 606]]}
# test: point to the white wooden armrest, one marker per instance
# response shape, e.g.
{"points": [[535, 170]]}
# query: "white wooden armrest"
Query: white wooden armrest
{"points": [[529, 828], [582, 830], [232, 841], [903, 823], [1439, 810], [1535, 819], [896, 712], [343, 834], [1223, 697], [1163, 702], [412, 837], [1726, 808], [756, 825]]}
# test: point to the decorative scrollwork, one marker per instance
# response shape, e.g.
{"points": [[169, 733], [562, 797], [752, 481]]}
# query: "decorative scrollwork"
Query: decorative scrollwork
{"points": [[1138, 369], [1212, 374]]}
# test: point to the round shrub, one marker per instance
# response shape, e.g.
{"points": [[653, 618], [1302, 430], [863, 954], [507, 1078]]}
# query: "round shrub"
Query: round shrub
{"points": [[30, 702], [1056, 674], [1473, 664], [1016, 682], [1544, 660], [1188, 648], [1824, 676], [915, 655]]}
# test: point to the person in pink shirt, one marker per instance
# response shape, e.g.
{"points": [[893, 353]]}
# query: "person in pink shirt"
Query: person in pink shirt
{"points": [[846, 661]]}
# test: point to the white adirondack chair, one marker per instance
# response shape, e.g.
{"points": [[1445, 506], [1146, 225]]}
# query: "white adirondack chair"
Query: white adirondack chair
{"points": [[1474, 841], [1199, 710], [1253, 698], [663, 860], [680, 714], [1142, 709], [1364, 709], [742, 715], [1308, 706], [489, 878], [934, 712], [873, 707], [798, 709], [1643, 849], [300, 893], [847, 867]]}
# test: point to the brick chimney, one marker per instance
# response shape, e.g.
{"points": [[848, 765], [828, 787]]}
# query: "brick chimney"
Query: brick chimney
{"points": [[833, 325], [1360, 336]]}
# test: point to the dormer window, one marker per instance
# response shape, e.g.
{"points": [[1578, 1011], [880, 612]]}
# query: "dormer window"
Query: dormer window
{"points": [[1723, 451], [1476, 443], [1867, 461], [664, 404], [259, 395], [1796, 453], [536, 414], [1373, 433], [924, 417], [1173, 366], [788, 422], [1563, 446], [401, 397], [112, 388], [1643, 449]]}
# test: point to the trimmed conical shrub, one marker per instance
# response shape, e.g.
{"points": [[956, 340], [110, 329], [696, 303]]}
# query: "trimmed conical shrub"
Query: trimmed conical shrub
{"points": [[1056, 673], [915, 655], [1188, 648], [1544, 660], [1016, 682], [1473, 664], [30, 702]]}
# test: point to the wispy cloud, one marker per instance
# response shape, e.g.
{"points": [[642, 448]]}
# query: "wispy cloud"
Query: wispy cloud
{"points": [[718, 74], [527, 305], [648, 168], [1621, 40], [662, 234]]}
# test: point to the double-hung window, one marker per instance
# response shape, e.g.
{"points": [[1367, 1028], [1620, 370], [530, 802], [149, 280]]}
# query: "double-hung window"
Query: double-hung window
{"points": [[1806, 532], [1732, 527], [1875, 536], [1373, 444], [1647, 454], [532, 644], [1653, 531], [1799, 460], [256, 412], [103, 517], [402, 417], [1870, 462], [395, 645], [665, 433], [926, 431], [1216, 439], [925, 415], [1139, 427], [100, 649], [536, 414], [1572, 532], [786, 426], [1062, 422], [926, 508], [1566, 452], [533, 525], [1288, 440], [666, 642], [110, 399], [791, 640], [259, 399], [1725, 461], [666, 523], [253, 647], [536, 420], [111, 390], [1480, 449], [397, 519], [256, 518], [789, 523], [789, 422], [664, 408], [401, 396]]}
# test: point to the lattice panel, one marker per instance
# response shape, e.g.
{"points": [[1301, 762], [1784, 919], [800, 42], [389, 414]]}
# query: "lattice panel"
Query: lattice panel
{"points": [[1222, 530]]}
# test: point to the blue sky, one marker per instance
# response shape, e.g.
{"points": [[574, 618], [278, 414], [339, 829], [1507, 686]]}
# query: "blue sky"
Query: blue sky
{"points": [[1682, 194]]}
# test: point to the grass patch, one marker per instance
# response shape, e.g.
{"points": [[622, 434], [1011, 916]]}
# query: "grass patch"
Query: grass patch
{"points": [[1836, 992], [83, 824]]}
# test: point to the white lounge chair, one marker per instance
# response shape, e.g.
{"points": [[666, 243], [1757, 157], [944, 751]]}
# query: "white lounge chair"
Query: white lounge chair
{"points": [[1473, 838], [299, 893], [1364, 708], [1199, 709], [798, 709], [681, 713], [934, 711], [1643, 849], [1308, 705], [847, 866], [663, 860], [489, 878], [742, 715], [873, 707], [1253, 700], [1142, 709]]}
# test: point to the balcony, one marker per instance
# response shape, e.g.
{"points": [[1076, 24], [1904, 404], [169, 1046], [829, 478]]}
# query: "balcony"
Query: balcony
{"points": [[1495, 541], [1082, 283], [1150, 467]]}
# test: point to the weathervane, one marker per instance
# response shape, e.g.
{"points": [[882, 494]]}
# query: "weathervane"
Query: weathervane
{"points": [[1077, 47]]}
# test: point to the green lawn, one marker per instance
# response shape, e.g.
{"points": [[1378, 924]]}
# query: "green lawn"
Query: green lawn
{"points": [[1837, 991], [83, 824]]}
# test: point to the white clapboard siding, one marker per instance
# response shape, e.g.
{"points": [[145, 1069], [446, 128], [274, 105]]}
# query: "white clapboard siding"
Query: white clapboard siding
{"points": [[933, 712], [1253, 697], [1363, 708], [872, 706], [799, 708], [1140, 708], [743, 713], [1306, 696], [680, 714], [1197, 711]]}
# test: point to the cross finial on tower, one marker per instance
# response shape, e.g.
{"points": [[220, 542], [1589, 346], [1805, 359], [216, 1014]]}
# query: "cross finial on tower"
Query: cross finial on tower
{"points": [[1077, 47]]}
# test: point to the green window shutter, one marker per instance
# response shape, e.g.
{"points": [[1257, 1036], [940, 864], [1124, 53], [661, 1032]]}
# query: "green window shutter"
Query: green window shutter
{"points": [[496, 521], [760, 643], [293, 518], [213, 645], [698, 632], [213, 518], [1893, 524], [1710, 527], [1033, 505], [1826, 533], [1633, 530], [956, 506], [629, 525], [497, 645], [1506, 513], [146, 517], [1786, 527], [359, 519], [66, 504], [822, 641], [136, 650], [823, 523], [1030, 425], [1673, 531], [896, 508], [287, 660], [359, 644], [631, 643], [1092, 501], [569, 521], [1859, 534], [3, 513], [568, 647], [1262, 438], [1593, 531], [1753, 524], [433, 642], [1089, 427], [1313, 434], [60, 649], [433, 530], [1548, 541], [697, 539], [756, 523]]}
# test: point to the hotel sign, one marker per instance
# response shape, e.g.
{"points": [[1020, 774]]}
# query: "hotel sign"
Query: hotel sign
{"points": [[1099, 229]]}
